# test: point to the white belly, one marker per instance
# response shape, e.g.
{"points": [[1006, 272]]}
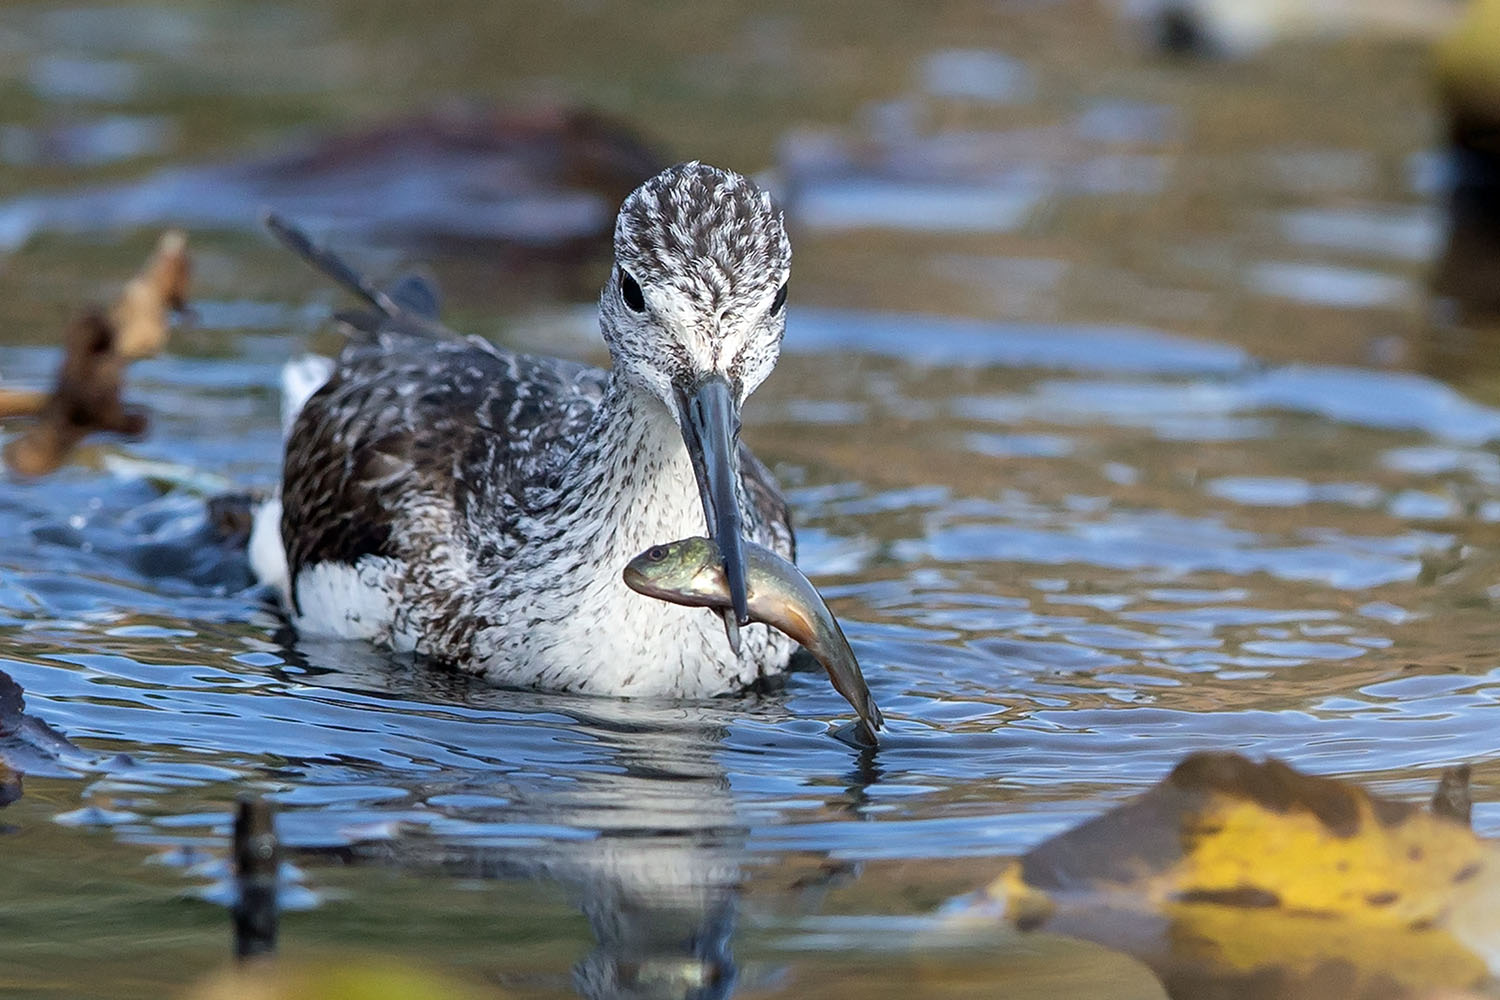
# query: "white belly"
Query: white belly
{"points": [[351, 602], [611, 640]]}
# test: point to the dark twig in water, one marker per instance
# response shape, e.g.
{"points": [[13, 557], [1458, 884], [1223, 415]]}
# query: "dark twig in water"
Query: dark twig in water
{"points": [[86, 399], [1452, 798], [257, 858]]}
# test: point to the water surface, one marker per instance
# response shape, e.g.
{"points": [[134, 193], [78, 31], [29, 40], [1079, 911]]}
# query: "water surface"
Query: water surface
{"points": [[1116, 413]]}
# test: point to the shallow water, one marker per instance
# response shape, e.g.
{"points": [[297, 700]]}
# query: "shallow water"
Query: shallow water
{"points": [[1116, 415]]}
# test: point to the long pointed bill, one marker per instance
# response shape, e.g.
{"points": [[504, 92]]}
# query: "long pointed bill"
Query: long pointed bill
{"points": [[711, 431]]}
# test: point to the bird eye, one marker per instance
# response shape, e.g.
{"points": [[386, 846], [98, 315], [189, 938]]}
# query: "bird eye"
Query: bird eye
{"points": [[780, 299], [630, 293], [656, 553]]}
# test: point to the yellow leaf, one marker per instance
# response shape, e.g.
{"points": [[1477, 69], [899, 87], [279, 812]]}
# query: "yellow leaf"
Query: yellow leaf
{"points": [[1228, 867]]}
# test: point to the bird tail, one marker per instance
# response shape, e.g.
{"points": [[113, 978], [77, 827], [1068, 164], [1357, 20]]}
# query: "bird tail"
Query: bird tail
{"points": [[410, 304]]}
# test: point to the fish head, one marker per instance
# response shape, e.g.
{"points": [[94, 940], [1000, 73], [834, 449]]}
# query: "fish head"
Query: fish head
{"points": [[686, 572]]}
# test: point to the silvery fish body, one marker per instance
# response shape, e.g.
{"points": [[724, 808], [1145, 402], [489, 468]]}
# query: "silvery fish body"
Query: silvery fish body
{"points": [[689, 572]]}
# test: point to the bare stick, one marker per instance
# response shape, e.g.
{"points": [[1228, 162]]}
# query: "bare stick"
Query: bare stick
{"points": [[331, 265]]}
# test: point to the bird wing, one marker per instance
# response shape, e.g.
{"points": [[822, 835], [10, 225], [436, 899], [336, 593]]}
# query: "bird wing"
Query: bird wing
{"points": [[409, 433]]}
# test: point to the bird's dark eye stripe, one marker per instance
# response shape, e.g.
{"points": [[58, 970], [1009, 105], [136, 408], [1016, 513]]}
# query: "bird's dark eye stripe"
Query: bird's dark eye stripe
{"points": [[780, 299], [630, 292]]}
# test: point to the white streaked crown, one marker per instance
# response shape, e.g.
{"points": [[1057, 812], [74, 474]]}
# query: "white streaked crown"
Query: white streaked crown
{"points": [[709, 252]]}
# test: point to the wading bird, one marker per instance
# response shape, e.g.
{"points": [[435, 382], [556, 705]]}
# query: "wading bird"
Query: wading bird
{"points": [[477, 506]]}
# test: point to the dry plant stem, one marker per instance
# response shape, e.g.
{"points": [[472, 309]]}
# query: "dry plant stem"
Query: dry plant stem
{"points": [[41, 449], [139, 317], [96, 350], [21, 402]]}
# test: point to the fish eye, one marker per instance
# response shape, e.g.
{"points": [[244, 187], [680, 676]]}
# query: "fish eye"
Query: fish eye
{"points": [[656, 553], [630, 292], [780, 299]]}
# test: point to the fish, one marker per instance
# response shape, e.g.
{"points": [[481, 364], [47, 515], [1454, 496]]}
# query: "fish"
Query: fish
{"points": [[689, 572]]}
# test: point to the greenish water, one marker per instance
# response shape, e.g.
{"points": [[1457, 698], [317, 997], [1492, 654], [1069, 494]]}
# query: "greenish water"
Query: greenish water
{"points": [[1116, 413]]}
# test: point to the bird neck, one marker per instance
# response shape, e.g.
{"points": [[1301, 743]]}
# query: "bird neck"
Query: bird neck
{"points": [[630, 480]]}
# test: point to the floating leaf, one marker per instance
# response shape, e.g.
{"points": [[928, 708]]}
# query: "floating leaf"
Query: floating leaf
{"points": [[346, 978], [1238, 867], [1467, 62]]}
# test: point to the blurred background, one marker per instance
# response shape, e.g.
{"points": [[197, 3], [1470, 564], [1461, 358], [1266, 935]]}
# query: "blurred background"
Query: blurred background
{"points": [[1229, 171], [1140, 396]]}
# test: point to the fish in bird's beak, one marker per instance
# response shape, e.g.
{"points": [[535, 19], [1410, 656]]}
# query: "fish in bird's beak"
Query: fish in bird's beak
{"points": [[710, 428], [689, 572]]}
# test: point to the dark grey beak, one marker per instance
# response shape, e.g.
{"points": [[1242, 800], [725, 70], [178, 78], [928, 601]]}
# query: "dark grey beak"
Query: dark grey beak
{"points": [[711, 428]]}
